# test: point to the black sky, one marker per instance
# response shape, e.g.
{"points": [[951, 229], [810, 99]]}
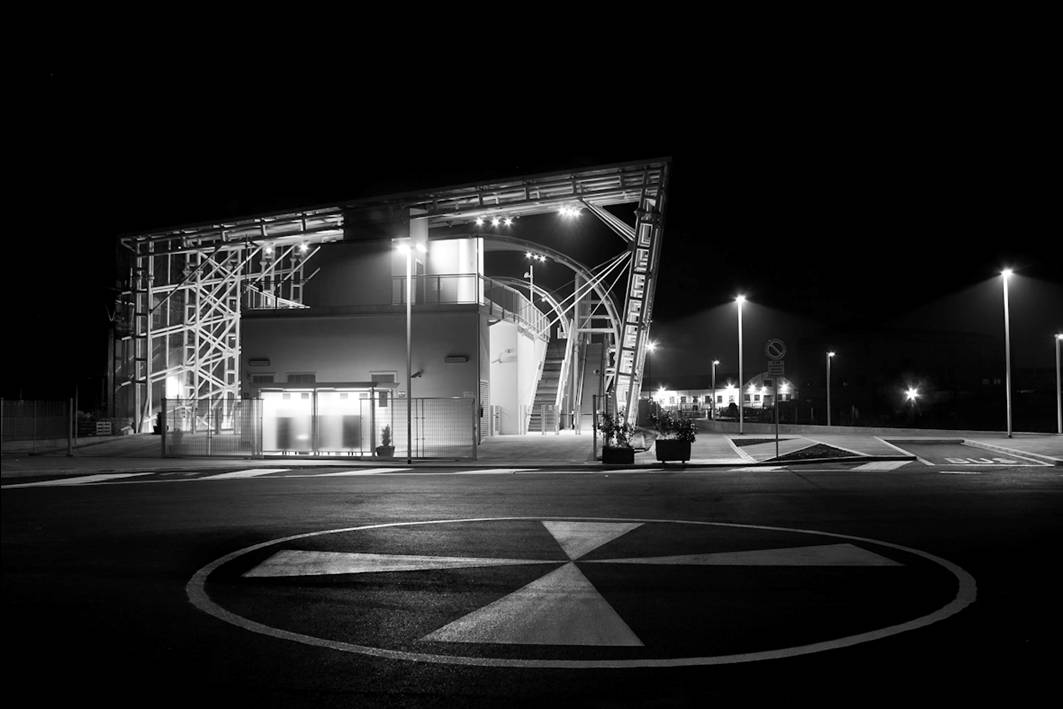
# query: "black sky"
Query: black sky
{"points": [[840, 200]]}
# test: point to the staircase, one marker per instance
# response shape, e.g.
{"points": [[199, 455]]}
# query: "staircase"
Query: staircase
{"points": [[546, 394]]}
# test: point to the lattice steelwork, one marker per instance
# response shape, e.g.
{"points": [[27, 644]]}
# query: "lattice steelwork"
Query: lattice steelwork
{"points": [[177, 324]]}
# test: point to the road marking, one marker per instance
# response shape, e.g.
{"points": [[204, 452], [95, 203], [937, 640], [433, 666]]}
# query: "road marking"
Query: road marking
{"points": [[495, 471], [835, 445], [579, 538], [359, 471], [966, 593], [960, 472], [753, 468], [821, 555], [80, 480], [737, 449], [1032, 457], [252, 473], [882, 465], [294, 562], [561, 608], [921, 460]]}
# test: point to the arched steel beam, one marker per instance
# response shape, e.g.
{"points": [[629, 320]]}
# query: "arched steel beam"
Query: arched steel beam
{"points": [[542, 293], [500, 242]]}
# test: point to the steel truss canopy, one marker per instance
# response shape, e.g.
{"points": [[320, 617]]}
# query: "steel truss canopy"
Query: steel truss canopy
{"points": [[178, 322]]}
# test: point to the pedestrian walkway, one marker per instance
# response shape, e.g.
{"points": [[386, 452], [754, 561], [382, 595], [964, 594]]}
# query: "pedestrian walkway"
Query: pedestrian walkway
{"points": [[566, 450]]}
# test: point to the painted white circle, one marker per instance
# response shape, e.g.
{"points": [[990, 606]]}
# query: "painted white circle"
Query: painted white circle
{"points": [[965, 595]]}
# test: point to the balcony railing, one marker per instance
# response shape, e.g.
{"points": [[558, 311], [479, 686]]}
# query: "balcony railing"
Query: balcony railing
{"points": [[439, 289]]}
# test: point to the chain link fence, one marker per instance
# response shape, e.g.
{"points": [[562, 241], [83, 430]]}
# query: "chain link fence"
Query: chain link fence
{"points": [[34, 425]]}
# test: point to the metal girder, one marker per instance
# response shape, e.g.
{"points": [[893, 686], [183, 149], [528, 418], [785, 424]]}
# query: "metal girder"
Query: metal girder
{"points": [[638, 298], [213, 268]]}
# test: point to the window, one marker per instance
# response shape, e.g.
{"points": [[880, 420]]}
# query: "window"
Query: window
{"points": [[747, 398], [719, 398], [756, 397], [767, 382], [302, 378], [261, 378]]}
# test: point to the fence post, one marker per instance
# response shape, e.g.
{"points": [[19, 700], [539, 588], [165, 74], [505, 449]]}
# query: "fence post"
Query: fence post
{"points": [[165, 425], [594, 425], [70, 428], [34, 425], [542, 419], [475, 422]]}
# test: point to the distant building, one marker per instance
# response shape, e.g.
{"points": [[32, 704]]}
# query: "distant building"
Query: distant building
{"points": [[759, 392]]}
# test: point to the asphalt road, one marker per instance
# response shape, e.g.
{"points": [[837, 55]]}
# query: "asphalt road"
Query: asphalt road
{"points": [[598, 589]]}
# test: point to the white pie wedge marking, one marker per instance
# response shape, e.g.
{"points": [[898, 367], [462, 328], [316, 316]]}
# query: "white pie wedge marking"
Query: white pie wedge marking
{"points": [[821, 555], [579, 538], [561, 608], [294, 562]]}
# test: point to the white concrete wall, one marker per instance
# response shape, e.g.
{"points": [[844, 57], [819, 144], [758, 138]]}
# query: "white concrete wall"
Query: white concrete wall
{"points": [[346, 348], [515, 361]]}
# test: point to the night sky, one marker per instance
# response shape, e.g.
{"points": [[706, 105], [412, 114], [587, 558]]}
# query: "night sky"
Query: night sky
{"points": [[833, 207]]}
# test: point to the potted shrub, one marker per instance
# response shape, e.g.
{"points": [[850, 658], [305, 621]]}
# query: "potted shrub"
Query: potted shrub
{"points": [[674, 436], [617, 440], [385, 450]]}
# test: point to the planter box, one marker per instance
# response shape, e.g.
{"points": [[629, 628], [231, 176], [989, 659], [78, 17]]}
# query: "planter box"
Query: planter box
{"points": [[385, 451], [672, 450], [618, 456]]}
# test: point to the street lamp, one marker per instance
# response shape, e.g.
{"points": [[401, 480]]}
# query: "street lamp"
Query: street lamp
{"points": [[830, 356], [1059, 391], [741, 379], [530, 275], [715, 363], [650, 347], [1005, 275], [405, 248]]}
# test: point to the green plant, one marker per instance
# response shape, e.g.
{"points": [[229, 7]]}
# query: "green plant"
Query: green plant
{"points": [[385, 437], [671, 427], [615, 430]]}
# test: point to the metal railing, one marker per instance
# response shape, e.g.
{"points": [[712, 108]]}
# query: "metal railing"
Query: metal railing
{"points": [[439, 289]]}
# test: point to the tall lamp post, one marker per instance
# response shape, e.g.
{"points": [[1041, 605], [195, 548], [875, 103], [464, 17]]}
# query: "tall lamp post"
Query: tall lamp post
{"points": [[530, 275], [830, 356], [715, 363], [650, 347], [741, 378], [406, 248], [1005, 276], [1059, 391]]}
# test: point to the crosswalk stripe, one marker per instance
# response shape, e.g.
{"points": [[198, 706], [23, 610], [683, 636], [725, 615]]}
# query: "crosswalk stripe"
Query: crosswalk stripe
{"points": [[80, 480], [494, 471], [358, 471], [252, 473], [756, 468], [882, 465]]}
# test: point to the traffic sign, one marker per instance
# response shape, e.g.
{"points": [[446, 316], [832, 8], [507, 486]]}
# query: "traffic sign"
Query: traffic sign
{"points": [[775, 349], [775, 368]]}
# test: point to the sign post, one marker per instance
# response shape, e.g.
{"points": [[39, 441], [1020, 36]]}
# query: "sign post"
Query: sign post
{"points": [[775, 349]]}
